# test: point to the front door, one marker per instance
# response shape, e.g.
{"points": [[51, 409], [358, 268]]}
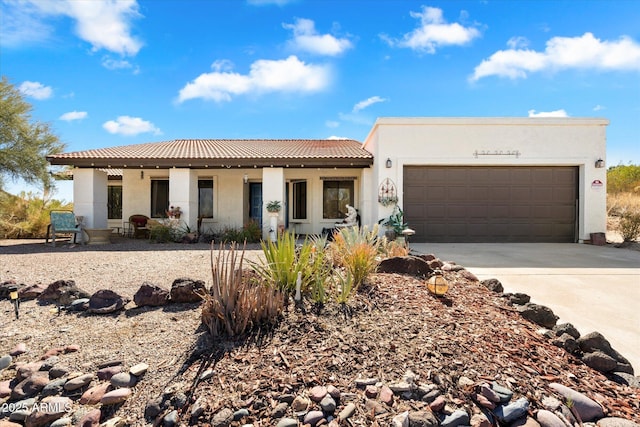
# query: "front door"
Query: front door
{"points": [[255, 202]]}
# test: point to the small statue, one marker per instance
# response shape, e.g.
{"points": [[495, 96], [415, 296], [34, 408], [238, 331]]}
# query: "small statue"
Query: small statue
{"points": [[351, 219]]}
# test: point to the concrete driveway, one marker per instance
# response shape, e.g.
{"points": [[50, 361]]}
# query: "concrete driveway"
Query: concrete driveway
{"points": [[596, 288]]}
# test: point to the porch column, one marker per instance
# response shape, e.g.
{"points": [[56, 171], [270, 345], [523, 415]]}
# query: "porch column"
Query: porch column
{"points": [[90, 197], [272, 189], [183, 192]]}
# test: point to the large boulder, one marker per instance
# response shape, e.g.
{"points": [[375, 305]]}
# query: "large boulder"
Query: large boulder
{"points": [[30, 291], [62, 292], [595, 342], [106, 301], [187, 290], [151, 295], [411, 265], [493, 285], [538, 314]]}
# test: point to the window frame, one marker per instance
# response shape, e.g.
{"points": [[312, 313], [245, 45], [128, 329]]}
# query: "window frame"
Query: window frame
{"points": [[154, 198], [110, 205], [212, 188], [350, 186], [299, 208]]}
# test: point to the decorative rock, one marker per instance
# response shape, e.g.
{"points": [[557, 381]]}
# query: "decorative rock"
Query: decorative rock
{"points": [[71, 348], [151, 295], [493, 285], [503, 393], [566, 328], [347, 412], [411, 265], [116, 396], [317, 393], [375, 407], [362, 383], [62, 422], [464, 381], [53, 387], [171, 419], [313, 417], [525, 421], [485, 402], [81, 304], [567, 342], [401, 420], [466, 274], [78, 382], [625, 379], [489, 393], [108, 363], [49, 363], [518, 298], [287, 422], [587, 409], [18, 349], [615, 422], [479, 420], [386, 395], [400, 387], [5, 361], [50, 409], [123, 379], [438, 404], [431, 395], [286, 398], [278, 411], [300, 404], [62, 292], [223, 418], [26, 370], [511, 412], [9, 424], [538, 314], [422, 419], [600, 361], [30, 292], [455, 419], [90, 419], [549, 419], [94, 394], [186, 290], [371, 391], [115, 422], [139, 370], [207, 374], [29, 387], [106, 301], [19, 415], [5, 389], [153, 408], [328, 405], [179, 400], [58, 371], [105, 374], [240, 414]]}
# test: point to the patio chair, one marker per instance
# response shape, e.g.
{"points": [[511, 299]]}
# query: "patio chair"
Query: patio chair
{"points": [[62, 222], [139, 224]]}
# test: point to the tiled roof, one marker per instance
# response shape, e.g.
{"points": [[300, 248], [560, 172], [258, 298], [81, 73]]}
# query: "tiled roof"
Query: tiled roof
{"points": [[221, 153]]}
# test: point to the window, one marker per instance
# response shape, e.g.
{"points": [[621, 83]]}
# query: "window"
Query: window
{"points": [[300, 200], [336, 195], [114, 202], [205, 198], [159, 198]]}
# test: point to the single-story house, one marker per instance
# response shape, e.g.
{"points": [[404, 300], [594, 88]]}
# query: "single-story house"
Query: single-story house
{"points": [[456, 179]]}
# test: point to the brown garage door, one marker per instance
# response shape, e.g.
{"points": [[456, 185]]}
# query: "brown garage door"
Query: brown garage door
{"points": [[491, 204]]}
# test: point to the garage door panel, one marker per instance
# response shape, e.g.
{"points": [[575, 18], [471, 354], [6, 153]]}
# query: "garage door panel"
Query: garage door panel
{"points": [[491, 204]]}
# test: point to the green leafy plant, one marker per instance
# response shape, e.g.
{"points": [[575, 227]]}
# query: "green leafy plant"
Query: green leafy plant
{"points": [[274, 206], [235, 302], [161, 233], [395, 221], [251, 232], [356, 250], [344, 286], [282, 262], [321, 270], [391, 248]]}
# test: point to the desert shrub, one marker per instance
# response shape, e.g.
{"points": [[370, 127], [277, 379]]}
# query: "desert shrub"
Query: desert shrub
{"points": [[27, 215], [231, 234], [620, 203], [629, 226], [236, 302], [343, 286], [391, 248], [321, 270], [161, 233], [356, 249], [623, 179], [283, 260], [251, 232]]}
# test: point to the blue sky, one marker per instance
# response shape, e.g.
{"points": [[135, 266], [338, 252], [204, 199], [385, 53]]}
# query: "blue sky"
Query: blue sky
{"points": [[108, 73]]}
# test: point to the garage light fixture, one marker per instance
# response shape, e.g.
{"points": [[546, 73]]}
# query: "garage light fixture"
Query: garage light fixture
{"points": [[388, 163], [599, 163]]}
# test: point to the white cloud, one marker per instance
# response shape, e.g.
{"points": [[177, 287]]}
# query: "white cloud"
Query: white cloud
{"points": [[36, 90], [104, 24], [367, 102], [22, 25], [598, 108], [434, 32], [518, 42], [556, 113], [584, 52], [332, 124], [126, 125], [73, 115], [287, 75], [334, 137], [115, 64], [305, 38]]}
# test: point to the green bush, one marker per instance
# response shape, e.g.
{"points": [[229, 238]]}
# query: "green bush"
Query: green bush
{"points": [[26, 216], [623, 178], [356, 250]]}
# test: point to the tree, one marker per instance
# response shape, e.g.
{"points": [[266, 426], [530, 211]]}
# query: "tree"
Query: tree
{"points": [[24, 143], [623, 178]]}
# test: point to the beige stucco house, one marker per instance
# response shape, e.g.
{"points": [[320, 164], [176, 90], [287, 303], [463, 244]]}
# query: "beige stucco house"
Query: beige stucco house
{"points": [[457, 179]]}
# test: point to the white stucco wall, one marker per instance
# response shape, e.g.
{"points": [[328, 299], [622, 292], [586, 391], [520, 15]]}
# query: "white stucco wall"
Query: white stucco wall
{"points": [[453, 141], [90, 196]]}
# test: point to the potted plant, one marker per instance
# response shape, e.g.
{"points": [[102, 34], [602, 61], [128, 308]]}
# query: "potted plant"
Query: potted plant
{"points": [[395, 223], [274, 206], [174, 212]]}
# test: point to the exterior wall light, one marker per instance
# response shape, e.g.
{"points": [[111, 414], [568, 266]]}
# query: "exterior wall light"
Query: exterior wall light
{"points": [[141, 174], [599, 163], [245, 178], [388, 163]]}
